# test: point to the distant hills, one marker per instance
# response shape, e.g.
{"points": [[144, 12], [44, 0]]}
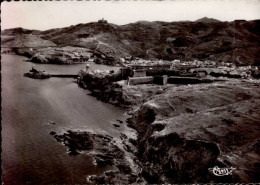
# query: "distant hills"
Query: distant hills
{"points": [[203, 39], [207, 20]]}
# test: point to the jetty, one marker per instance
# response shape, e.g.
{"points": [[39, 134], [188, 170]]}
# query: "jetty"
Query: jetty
{"points": [[64, 75], [37, 74]]}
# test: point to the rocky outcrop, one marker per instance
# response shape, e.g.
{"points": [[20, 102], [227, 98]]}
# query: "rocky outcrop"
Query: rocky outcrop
{"points": [[112, 88], [76, 141], [186, 131], [104, 151], [38, 75], [37, 58], [53, 55], [103, 87], [172, 159]]}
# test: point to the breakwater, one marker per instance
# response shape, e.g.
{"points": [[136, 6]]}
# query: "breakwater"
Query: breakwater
{"points": [[64, 75]]}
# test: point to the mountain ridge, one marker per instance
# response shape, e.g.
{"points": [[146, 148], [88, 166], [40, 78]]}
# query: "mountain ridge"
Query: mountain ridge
{"points": [[204, 39]]}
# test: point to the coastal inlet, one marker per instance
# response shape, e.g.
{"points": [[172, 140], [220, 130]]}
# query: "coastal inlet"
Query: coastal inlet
{"points": [[29, 109]]}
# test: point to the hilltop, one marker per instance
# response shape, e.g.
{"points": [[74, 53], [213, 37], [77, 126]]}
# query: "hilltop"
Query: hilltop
{"points": [[205, 39], [207, 20]]}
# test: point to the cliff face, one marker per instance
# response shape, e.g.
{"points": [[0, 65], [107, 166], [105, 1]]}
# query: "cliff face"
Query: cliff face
{"points": [[186, 130], [236, 42], [111, 88], [189, 129]]}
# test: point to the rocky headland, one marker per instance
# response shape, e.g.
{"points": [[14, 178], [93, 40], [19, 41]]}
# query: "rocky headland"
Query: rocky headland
{"points": [[189, 129], [112, 88], [183, 131], [105, 151]]}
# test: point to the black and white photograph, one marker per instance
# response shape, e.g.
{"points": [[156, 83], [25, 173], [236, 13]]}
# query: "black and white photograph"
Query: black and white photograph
{"points": [[130, 92]]}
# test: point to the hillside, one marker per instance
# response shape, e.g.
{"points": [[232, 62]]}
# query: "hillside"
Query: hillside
{"points": [[204, 39], [188, 129]]}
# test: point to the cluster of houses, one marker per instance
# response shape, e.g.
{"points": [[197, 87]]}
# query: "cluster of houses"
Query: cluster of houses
{"points": [[195, 63], [158, 71], [188, 70], [174, 63], [139, 61]]}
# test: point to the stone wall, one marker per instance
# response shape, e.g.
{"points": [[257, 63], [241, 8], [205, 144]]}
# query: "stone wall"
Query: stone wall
{"points": [[140, 80]]}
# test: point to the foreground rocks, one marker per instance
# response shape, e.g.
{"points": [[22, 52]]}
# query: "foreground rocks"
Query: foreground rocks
{"points": [[78, 141], [189, 129], [104, 152]]}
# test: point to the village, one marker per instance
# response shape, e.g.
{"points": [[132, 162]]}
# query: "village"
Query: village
{"points": [[140, 71]]}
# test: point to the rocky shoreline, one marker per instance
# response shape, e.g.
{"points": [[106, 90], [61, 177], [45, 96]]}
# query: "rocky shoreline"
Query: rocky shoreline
{"points": [[65, 55], [55, 55], [182, 132], [105, 152]]}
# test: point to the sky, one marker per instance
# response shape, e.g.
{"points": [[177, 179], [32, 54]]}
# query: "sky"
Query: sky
{"points": [[43, 15]]}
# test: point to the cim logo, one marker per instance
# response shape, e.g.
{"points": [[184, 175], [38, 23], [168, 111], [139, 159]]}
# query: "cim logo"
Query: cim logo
{"points": [[221, 171]]}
